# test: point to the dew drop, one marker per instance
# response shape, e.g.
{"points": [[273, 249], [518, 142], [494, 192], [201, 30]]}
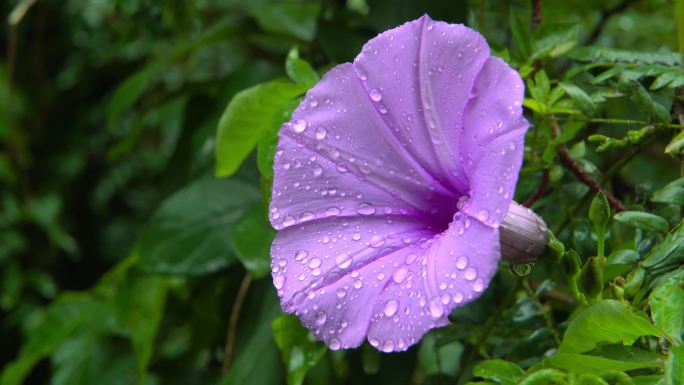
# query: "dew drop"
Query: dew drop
{"points": [[300, 125], [458, 297], [341, 167], [341, 293], [483, 215], [307, 216], [382, 108], [320, 133], [301, 254], [387, 346], [461, 263], [470, 274], [332, 211], [436, 307], [400, 275], [478, 286], [377, 241], [391, 307], [365, 209], [343, 261], [358, 284], [410, 258], [289, 221], [334, 344], [317, 170], [279, 281], [313, 102], [375, 95], [315, 262], [321, 317], [374, 342], [356, 236]]}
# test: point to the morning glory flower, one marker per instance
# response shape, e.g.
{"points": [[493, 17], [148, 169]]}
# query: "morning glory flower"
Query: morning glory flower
{"points": [[391, 181]]}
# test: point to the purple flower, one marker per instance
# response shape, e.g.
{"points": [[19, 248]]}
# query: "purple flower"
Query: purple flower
{"points": [[390, 183]]}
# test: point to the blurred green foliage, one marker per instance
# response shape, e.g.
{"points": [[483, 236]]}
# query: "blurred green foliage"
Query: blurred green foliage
{"points": [[136, 152]]}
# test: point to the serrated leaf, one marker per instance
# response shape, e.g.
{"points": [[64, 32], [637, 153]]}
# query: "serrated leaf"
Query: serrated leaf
{"points": [[605, 321], [606, 55], [247, 117], [188, 233], [553, 40], [673, 192], [654, 111], [667, 308], [581, 99], [644, 221], [299, 349]]}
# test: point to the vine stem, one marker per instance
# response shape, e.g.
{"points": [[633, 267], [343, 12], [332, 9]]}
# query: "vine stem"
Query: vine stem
{"points": [[232, 323], [571, 164]]}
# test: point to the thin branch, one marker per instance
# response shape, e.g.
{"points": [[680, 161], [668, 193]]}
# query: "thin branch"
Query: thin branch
{"points": [[541, 190], [603, 19], [536, 13], [571, 164], [232, 323]]}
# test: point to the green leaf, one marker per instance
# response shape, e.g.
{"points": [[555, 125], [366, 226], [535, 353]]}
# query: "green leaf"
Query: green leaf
{"points": [[269, 141], [673, 193], [654, 111], [644, 221], [189, 233], [667, 308], [554, 40], [69, 314], [668, 252], [604, 321], [581, 363], [606, 55], [581, 99], [298, 347], [676, 144], [674, 366], [255, 348], [141, 302], [251, 237], [619, 262], [666, 78], [519, 20], [300, 71], [297, 19], [504, 372], [248, 115]]}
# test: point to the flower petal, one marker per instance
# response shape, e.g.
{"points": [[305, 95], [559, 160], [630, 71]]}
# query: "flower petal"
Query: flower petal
{"points": [[492, 141], [390, 282], [422, 73], [337, 158]]}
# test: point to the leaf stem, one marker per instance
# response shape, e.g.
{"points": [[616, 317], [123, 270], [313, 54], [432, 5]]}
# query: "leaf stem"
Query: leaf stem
{"points": [[232, 323]]}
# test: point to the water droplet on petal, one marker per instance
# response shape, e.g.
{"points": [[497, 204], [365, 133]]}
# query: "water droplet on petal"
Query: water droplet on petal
{"points": [[478, 286], [461, 263], [307, 216], [315, 262], [317, 170], [358, 284], [289, 221], [458, 297], [387, 346], [391, 307], [400, 275], [334, 344], [365, 209], [377, 241], [436, 307], [300, 125], [279, 281], [375, 95], [301, 254], [332, 211], [320, 133], [483, 215], [341, 293], [410, 258], [343, 261], [470, 274], [321, 317]]}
